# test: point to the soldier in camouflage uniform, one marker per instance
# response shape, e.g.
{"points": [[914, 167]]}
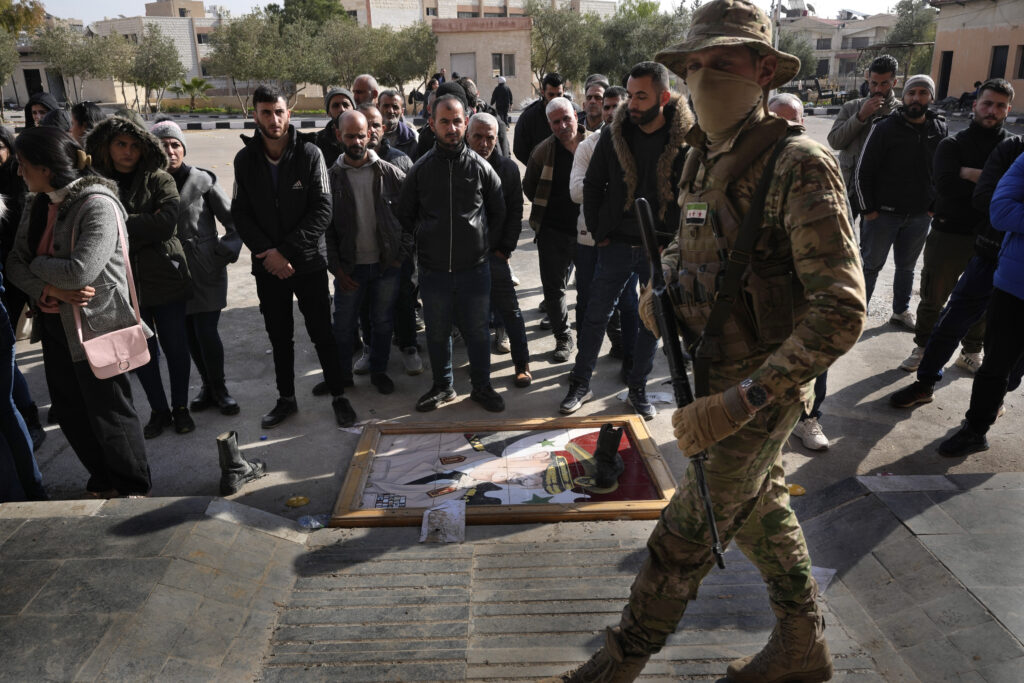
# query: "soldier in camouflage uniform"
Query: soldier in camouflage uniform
{"points": [[801, 307]]}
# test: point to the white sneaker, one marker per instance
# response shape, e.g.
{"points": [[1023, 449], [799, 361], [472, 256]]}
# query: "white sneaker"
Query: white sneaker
{"points": [[913, 361], [515, 279], [501, 342], [906, 319], [411, 360], [362, 366], [969, 361], [810, 434]]}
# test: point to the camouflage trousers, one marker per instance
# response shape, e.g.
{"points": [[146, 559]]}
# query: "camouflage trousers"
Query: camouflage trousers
{"points": [[751, 504]]}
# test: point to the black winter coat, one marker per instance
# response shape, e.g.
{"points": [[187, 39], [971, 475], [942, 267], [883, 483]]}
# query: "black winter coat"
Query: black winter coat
{"points": [[970, 147], [989, 240], [506, 239]]}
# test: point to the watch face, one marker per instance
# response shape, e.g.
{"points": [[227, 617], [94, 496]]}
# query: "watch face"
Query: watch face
{"points": [[756, 395]]}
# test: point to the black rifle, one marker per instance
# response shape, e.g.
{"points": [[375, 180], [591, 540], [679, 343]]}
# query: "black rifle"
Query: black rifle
{"points": [[666, 317]]}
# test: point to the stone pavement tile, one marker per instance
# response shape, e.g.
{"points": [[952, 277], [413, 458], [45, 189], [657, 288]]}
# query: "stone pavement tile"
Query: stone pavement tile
{"points": [[105, 585], [227, 619], [937, 660], [184, 671], [254, 541], [242, 564], [998, 480], [257, 626], [279, 576], [201, 644], [48, 647], [386, 613], [920, 513], [243, 661], [120, 625], [189, 576], [837, 494], [904, 557], [275, 525], [218, 530], [203, 550], [270, 599], [1007, 604], [978, 560], [838, 538], [986, 512], [21, 580], [8, 527], [907, 482], [172, 603], [129, 663], [1003, 672], [155, 509], [866, 573], [987, 644], [292, 652], [229, 589], [153, 632], [933, 579], [369, 673], [372, 631], [378, 581], [50, 508], [83, 537], [956, 610], [908, 627], [372, 596]]}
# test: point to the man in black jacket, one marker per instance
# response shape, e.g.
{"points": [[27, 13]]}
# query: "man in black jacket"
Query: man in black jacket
{"points": [[969, 300], [336, 102], [482, 137], [449, 199], [895, 191], [532, 126], [281, 207], [949, 246], [639, 155]]}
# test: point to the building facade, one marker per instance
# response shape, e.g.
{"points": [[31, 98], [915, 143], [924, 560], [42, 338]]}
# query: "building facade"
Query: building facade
{"points": [[837, 42], [976, 40]]}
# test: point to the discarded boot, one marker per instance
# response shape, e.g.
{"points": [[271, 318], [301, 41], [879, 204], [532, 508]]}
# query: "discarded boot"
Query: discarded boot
{"points": [[609, 462], [796, 651], [235, 470], [608, 665]]}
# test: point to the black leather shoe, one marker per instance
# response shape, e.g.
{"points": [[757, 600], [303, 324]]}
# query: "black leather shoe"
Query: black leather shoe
{"points": [[222, 399], [643, 407], [344, 415], [284, 408], [183, 423], [963, 443], [157, 423], [382, 382], [488, 398], [202, 401], [574, 400], [435, 398], [322, 389]]}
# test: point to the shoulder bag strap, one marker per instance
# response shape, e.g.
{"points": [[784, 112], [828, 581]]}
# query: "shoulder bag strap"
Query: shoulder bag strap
{"points": [[127, 267], [740, 257]]}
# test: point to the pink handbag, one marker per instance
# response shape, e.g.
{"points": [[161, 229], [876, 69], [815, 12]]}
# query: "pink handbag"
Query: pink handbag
{"points": [[116, 352]]}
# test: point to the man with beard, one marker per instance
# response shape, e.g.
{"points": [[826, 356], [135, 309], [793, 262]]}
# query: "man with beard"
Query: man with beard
{"points": [[449, 199], [365, 89], [950, 243], [751, 390], [397, 132], [895, 191], [337, 101], [364, 245], [532, 126], [640, 154], [281, 207], [593, 104], [378, 142]]}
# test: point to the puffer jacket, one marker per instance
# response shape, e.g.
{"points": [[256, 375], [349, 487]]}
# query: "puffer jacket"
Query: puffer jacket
{"points": [[88, 215], [447, 203], [1007, 214], [341, 234], [158, 260], [203, 203]]}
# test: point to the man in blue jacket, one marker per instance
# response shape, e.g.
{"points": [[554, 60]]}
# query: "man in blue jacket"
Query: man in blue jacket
{"points": [[281, 208]]}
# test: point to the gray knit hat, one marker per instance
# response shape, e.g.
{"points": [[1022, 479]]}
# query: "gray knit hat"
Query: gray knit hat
{"points": [[333, 92], [919, 80], [169, 129]]}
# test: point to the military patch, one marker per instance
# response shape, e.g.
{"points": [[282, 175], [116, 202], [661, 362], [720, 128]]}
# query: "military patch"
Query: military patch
{"points": [[696, 213]]}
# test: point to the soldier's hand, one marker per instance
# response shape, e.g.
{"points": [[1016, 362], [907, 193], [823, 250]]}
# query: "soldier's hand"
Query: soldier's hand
{"points": [[708, 420], [647, 303]]}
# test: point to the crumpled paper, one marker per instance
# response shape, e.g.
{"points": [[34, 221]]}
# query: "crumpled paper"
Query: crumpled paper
{"points": [[445, 523]]}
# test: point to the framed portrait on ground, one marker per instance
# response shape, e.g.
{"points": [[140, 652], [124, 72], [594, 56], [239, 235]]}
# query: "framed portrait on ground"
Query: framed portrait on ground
{"points": [[508, 472]]}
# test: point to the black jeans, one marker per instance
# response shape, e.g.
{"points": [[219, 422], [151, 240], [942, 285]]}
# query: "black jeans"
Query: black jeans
{"points": [[505, 303], [205, 346], [405, 307], [168, 325], [555, 252], [314, 298], [1004, 357], [96, 416]]}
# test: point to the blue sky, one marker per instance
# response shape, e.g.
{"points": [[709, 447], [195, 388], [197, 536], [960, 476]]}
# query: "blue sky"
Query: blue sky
{"points": [[93, 10]]}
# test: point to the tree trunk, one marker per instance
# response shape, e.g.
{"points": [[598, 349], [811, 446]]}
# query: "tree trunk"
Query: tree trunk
{"points": [[14, 84]]}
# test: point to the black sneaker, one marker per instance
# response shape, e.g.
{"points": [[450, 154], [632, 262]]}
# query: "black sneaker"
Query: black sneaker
{"points": [[908, 397], [577, 396], [382, 382], [963, 443], [157, 422], [488, 398], [284, 408], [183, 423], [643, 407], [563, 348], [435, 398], [344, 415], [202, 401]]}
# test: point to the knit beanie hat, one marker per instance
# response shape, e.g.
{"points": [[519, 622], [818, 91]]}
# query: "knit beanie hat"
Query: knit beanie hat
{"points": [[919, 80], [453, 88], [333, 92], [169, 129]]}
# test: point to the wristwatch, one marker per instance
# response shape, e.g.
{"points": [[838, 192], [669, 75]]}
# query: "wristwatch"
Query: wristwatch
{"points": [[755, 393]]}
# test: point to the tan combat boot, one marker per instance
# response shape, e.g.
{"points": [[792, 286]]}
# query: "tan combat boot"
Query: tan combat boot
{"points": [[608, 665], [796, 651]]}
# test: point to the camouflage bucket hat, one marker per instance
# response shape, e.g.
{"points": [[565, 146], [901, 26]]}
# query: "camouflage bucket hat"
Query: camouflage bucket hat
{"points": [[730, 22]]}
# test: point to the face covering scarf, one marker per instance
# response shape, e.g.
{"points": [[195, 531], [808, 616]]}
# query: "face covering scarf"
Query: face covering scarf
{"points": [[722, 100]]}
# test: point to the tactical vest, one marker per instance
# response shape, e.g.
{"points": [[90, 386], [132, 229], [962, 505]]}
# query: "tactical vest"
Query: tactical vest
{"points": [[768, 298]]}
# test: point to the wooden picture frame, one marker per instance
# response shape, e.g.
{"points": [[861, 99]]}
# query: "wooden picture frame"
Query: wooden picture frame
{"points": [[349, 509]]}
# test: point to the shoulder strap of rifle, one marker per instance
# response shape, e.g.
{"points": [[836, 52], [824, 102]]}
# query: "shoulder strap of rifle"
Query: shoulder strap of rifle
{"points": [[740, 257]]}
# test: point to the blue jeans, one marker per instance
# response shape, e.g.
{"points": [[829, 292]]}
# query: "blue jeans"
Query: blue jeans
{"points": [[906, 236], [379, 287], [506, 304], [629, 318], [168, 323], [619, 267], [15, 444], [461, 298]]}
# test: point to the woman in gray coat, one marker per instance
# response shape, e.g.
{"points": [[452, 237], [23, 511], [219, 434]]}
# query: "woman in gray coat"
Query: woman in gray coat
{"points": [[203, 203], [69, 204]]}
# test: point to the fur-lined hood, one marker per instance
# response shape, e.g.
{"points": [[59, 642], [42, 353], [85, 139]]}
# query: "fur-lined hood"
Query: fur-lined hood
{"points": [[680, 120], [90, 184], [97, 145]]}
